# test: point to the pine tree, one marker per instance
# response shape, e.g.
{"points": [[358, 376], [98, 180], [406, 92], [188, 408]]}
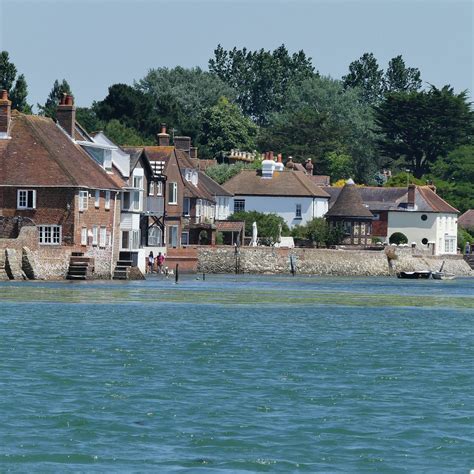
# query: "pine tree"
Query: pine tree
{"points": [[18, 95], [7, 71], [51, 104]]}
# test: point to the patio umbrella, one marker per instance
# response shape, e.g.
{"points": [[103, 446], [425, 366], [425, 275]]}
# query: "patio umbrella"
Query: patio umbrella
{"points": [[254, 234]]}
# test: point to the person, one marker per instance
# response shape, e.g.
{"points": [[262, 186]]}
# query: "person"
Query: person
{"points": [[160, 259], [468, 248], [151, 261]]}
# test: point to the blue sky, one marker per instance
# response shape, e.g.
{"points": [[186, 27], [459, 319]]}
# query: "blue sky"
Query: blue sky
{"points": [[96, 43]]}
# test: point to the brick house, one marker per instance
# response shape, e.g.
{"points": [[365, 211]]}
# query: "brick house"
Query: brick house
{"points": [[48, 181]]}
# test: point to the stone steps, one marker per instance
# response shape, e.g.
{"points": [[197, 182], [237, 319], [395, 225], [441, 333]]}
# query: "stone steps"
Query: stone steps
{"points": [[470, 260], [80, 267]]}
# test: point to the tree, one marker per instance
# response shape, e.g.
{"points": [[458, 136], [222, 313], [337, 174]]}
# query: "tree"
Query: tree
{"points": [[17, 90], [402, 180], [399, 78], [180, 96], [419, 127], [7, 72], [52, 102], [87, 117], [261, 78], [268, 225], [319, 232], [398, 238], [122, 135], [224, 127], [365, 74], [223, 172], [19, 94], [340, 165]]}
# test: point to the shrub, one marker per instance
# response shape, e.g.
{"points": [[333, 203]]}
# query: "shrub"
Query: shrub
{"points": [[398, 238]]}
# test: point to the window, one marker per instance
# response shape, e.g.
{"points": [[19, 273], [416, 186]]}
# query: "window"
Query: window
{"points": [[173, 235], [126, 201], [424, 217], [108, 159], [159, 188], [198, 207], [95, 235], [186, 206], [194, 177], [347, 226], [188, 174], [84, 236], [102, 237], [97, 198], [239, 205], [151, 189], [136, 200], [376, 217], [449, 245], [298, 211], [184, 238], [107, 200], [125, 239], [83, 200], [135, 239], [172, 193], [154, 236], [26, 199], [49, 234], [138, 182], [424, 241]]}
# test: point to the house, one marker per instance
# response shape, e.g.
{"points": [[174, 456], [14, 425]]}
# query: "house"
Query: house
{"points": [[191, 199], [466, 220], [49, 183], [349, 213], [417, 212], [289, 193]]}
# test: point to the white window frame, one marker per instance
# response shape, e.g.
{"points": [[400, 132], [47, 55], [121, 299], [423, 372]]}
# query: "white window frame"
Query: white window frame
{"points": [[154, 236], [84, 236], [298, 212], [188, 174], [128, 233], [97, 198], [199, 206], [186, 208], [159, 188], [107, 200], [102, 236], [151, 191], [185, 241], [83, 200], [95, 235], [49, 234], [22, 196], [170, 234], [172, 192], [241, 204]]}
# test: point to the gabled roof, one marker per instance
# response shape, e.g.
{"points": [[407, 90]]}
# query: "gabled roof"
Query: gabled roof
{"points": [[349, 204], [213, 188], [283, 183], [396, 199], [40, 153], [466, 221]]}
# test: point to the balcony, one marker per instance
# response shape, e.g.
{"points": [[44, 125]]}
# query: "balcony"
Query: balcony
{"points": [[154, 206]]}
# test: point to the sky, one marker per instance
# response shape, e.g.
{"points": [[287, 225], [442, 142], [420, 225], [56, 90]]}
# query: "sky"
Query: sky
{"points": [[96, 43]]}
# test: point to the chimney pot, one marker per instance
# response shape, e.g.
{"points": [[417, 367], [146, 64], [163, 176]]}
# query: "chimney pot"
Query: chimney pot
{"points": [[66, 114], [163, 137], [4, 94], [69, 100]]}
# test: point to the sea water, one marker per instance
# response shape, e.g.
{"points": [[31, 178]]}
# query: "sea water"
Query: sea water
{"points": [[237, 374]]}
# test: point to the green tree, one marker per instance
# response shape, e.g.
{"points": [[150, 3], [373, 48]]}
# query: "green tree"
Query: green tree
{"points": [[19, 94], [120, 134], [419, 127], [268, 225], [224, 127], [365, 74], [402, 180], [48, 109], [7, 72], [340, 165], [87, 117], [261, 78], [180, 96], [319, 232], [223, 172], [399, 78], [454, 177]]}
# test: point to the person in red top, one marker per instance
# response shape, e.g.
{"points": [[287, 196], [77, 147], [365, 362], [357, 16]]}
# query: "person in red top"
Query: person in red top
{"points": [[160, 259]]}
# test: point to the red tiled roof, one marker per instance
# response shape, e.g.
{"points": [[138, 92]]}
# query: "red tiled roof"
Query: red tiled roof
{"points": [[466, 221], [229, 226], [436, 203], [39, 153]]}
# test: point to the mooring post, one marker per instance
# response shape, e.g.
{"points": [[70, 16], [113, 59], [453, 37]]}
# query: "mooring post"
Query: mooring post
{"points": [[176, 273], [203, 276]]}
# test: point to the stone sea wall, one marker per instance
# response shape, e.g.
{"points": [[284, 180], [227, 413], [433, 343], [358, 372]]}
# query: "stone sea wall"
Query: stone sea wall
{"points": [[322, 261]]}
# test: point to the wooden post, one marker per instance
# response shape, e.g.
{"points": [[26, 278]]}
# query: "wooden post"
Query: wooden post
{"points": [[176, 273]]}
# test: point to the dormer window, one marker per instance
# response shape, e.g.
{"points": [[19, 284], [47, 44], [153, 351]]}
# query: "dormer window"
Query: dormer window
{"points": [[26, 199], [188, 173], [108, 159], [194, 177]]}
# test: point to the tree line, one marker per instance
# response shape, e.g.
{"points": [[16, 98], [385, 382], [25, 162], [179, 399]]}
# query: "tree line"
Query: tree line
{"points": [[368, 120]]}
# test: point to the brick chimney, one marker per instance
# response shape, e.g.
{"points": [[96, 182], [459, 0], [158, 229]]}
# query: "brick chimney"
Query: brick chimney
{"points": [[163, 137], [66, 114], [411, 196], [5, 114], [193, 152], [183, 143]]}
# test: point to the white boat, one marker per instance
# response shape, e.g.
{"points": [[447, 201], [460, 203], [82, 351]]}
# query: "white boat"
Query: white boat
{"points": [[443, 276]]}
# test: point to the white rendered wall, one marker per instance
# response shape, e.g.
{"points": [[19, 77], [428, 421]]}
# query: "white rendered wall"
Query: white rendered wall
{"points": [[286, 207], [435, 228]]}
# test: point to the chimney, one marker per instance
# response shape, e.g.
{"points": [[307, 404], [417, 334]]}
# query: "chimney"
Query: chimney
{"points": [[183, 143], [163, 137], [5, 114], [309, 167], [193, 152], [411, 196], [66, 114]]}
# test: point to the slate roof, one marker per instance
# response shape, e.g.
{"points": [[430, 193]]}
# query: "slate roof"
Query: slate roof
{"points": [[395, 199], [349, 204], [285, 183], [39, 153], [466, 221]]}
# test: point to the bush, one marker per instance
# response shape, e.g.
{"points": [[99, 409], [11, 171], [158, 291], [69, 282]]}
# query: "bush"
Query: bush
{"points": [[398, 238], [463, 237], [319, 232]]}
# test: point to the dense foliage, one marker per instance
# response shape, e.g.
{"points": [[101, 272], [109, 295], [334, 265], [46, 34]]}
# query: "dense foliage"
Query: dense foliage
{"points": [[319, 232], [16, 86], [49, 107], [268, 225]]}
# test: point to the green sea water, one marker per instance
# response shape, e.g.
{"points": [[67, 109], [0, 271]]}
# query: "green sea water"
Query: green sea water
{"points": [[237, 374]]}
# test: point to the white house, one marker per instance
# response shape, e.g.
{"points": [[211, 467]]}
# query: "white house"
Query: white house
{"points": [[290, 194]]}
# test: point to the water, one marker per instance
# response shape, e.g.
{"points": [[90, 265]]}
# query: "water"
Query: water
{"points": [[237, 374]]}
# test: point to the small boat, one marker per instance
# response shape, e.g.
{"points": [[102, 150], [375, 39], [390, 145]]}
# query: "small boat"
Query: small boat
{"points": [[421, 274], [443, 276]]}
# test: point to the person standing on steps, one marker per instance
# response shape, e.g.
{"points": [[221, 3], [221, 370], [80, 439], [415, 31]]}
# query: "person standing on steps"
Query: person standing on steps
{"points": [[151, 261], [160, 259]]}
